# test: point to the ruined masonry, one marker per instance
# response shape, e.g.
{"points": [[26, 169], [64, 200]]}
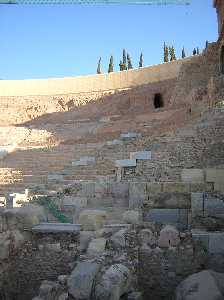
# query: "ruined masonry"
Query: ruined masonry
{"points": [[112, 185]]}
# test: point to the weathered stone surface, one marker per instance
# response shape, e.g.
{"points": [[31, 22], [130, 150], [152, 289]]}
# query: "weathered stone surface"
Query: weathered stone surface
{"points": [[4, 246], [81, 280], [85, 238], [197, 204], [74, 201], [24, 217], [200, 286], [176, 217], [115, 282], [170, 200], [169, 236], [137, 194], [132, 216], [176, 187], [55, 177], [215, 175], [118, 239], [146, 236], [135, 296], [96, 246], [55, 247], [129, 135], [47, 289], [216, 242], [192, 175], [123, 163], [92, 219], [141, 155]]}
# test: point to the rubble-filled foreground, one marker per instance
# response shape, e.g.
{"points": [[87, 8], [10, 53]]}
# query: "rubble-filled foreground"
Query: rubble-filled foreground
{"points": [[97, 261]]}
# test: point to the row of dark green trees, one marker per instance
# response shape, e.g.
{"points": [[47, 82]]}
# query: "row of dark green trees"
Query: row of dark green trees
{"points": [[126, 63], [169, 53]]}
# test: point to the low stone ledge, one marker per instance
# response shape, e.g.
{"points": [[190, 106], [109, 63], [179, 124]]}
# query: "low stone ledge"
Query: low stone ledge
{"points": [[141, 155], [125, 163]]}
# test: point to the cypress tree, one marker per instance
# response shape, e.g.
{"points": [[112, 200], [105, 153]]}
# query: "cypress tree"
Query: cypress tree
{"points": [[183, 53], [172, 53], [194, 51], [141, 61], [99, 66], [121, 65], [111, 65], [198, 52], [124, 60], [129, 62], [166, 54], [206, 44]]}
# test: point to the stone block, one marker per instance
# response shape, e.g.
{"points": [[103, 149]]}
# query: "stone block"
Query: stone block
{"points": [[96, 246], [56, 247], [88, 189], [206, 285], [177, 217], [201, 187], [132, 216], [118, 239], [124, 163], [192, 175], [216, 243], [219, 187], [92, 219], [202, 236], [130, 135], [197, 204], [168, 237], [215, 175], [114, 142], [55, 177], [81, 280], [135, 296], [115, 282], [213, 207], [85, 238], [137, 194], [119, 189], [147, 237], [154, 188], [176, 187], [169, 200], [141, 155], [75, 201]]}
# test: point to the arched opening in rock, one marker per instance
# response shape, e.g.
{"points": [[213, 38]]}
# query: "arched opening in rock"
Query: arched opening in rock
{"points": [[222, 60], [158, 101]]}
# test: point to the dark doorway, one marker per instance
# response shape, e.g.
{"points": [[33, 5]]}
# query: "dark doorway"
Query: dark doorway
{"points": [[222, 60], [158, 101]]}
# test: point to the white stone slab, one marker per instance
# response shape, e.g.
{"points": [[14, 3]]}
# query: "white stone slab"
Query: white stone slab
{"points": [[88, 158], [55, 177], [126, 163], [57, 227], [130, 135], [141, 155], [114, 142]]}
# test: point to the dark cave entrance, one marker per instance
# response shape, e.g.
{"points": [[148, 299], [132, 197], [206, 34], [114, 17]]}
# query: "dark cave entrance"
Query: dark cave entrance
{"points": [[158, 101]]}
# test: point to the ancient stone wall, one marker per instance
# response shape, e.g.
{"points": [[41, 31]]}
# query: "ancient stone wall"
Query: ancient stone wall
{"points": [[86, 104], [91, 83]]}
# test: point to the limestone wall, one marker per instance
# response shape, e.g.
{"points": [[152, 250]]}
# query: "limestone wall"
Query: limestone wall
{"points": [[101, 82]]}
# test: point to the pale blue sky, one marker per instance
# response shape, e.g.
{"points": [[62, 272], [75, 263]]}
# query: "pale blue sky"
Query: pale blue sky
{"points": [[67, 40]]}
